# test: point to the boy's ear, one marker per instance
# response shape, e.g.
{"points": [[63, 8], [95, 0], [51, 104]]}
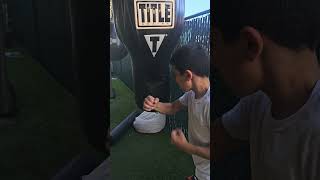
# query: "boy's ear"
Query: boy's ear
{"points": [[253, 42], [188, 74]]}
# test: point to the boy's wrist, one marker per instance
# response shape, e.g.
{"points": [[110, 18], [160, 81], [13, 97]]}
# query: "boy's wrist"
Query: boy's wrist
{"points": [[197, 150], [156, 107], [188, 148]]}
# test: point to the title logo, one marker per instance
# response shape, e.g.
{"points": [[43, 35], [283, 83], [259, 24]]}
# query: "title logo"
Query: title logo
{"points": [[154, 14], [154, 42]]}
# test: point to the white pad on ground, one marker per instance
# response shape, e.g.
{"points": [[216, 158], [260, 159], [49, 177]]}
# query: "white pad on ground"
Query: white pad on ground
{"points": [[149, 122]]}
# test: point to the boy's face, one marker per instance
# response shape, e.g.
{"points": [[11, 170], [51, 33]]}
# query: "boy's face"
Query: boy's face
{"points": [[238, 63], [183, 80]]}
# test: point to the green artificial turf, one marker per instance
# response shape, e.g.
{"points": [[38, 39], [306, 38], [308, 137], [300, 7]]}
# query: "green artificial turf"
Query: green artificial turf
{"points": [[122, 105], [141, 156], [47, 132]]}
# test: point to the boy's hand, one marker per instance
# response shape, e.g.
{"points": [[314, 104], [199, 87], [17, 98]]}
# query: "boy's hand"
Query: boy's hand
{"points": [[178, 138], [150, 103]]}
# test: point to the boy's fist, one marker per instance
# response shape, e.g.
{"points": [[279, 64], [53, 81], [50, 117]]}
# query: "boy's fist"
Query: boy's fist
{"points": [[178, 138], [150, 103]]}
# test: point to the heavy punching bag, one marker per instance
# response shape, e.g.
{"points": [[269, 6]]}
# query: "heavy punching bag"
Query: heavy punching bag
{"points": [[150, 30], [7, 96]]}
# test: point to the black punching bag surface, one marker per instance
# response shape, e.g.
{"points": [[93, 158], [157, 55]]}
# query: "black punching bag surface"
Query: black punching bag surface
{"points": [[150, 30]]}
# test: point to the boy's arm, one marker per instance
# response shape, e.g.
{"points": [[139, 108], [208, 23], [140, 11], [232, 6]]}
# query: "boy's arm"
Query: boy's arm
{"points": [[178, 138], [222, 143], [152, 103], [169, 108], [203, 152]]}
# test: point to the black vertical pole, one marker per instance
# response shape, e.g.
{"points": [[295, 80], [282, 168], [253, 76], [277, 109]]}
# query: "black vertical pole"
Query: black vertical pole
{"points": [[7, 99], [89, 21]]}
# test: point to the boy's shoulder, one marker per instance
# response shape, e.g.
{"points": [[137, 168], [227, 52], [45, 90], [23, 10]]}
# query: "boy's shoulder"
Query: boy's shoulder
{"points": [[256, 100], [310, 117], [313, 110]]}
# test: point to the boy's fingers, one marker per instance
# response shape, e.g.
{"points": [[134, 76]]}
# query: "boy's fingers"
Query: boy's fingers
{"points": [[177, 131], [147, 107], [150, 98], [149, 103], [173, 133], [156, 100], [146, 99]]}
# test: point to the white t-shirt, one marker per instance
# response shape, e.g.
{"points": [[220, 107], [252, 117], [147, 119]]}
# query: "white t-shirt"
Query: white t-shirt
{"points": [[198, 129], [287, 149]]}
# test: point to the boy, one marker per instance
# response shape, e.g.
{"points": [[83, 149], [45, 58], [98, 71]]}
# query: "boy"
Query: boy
{"points": [[265, 50], [191, 67]]}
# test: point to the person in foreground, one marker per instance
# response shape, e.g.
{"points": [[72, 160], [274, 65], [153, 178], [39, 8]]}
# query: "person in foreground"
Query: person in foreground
{"points": [[190, 65], [266, 52]]}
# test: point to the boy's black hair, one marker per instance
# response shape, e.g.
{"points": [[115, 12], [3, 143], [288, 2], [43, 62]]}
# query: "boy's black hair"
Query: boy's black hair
{"points": [[294, 24], [191, 57]]}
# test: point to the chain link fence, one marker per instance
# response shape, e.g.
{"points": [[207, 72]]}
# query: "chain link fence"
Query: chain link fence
{"points": [[197, 29]]}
